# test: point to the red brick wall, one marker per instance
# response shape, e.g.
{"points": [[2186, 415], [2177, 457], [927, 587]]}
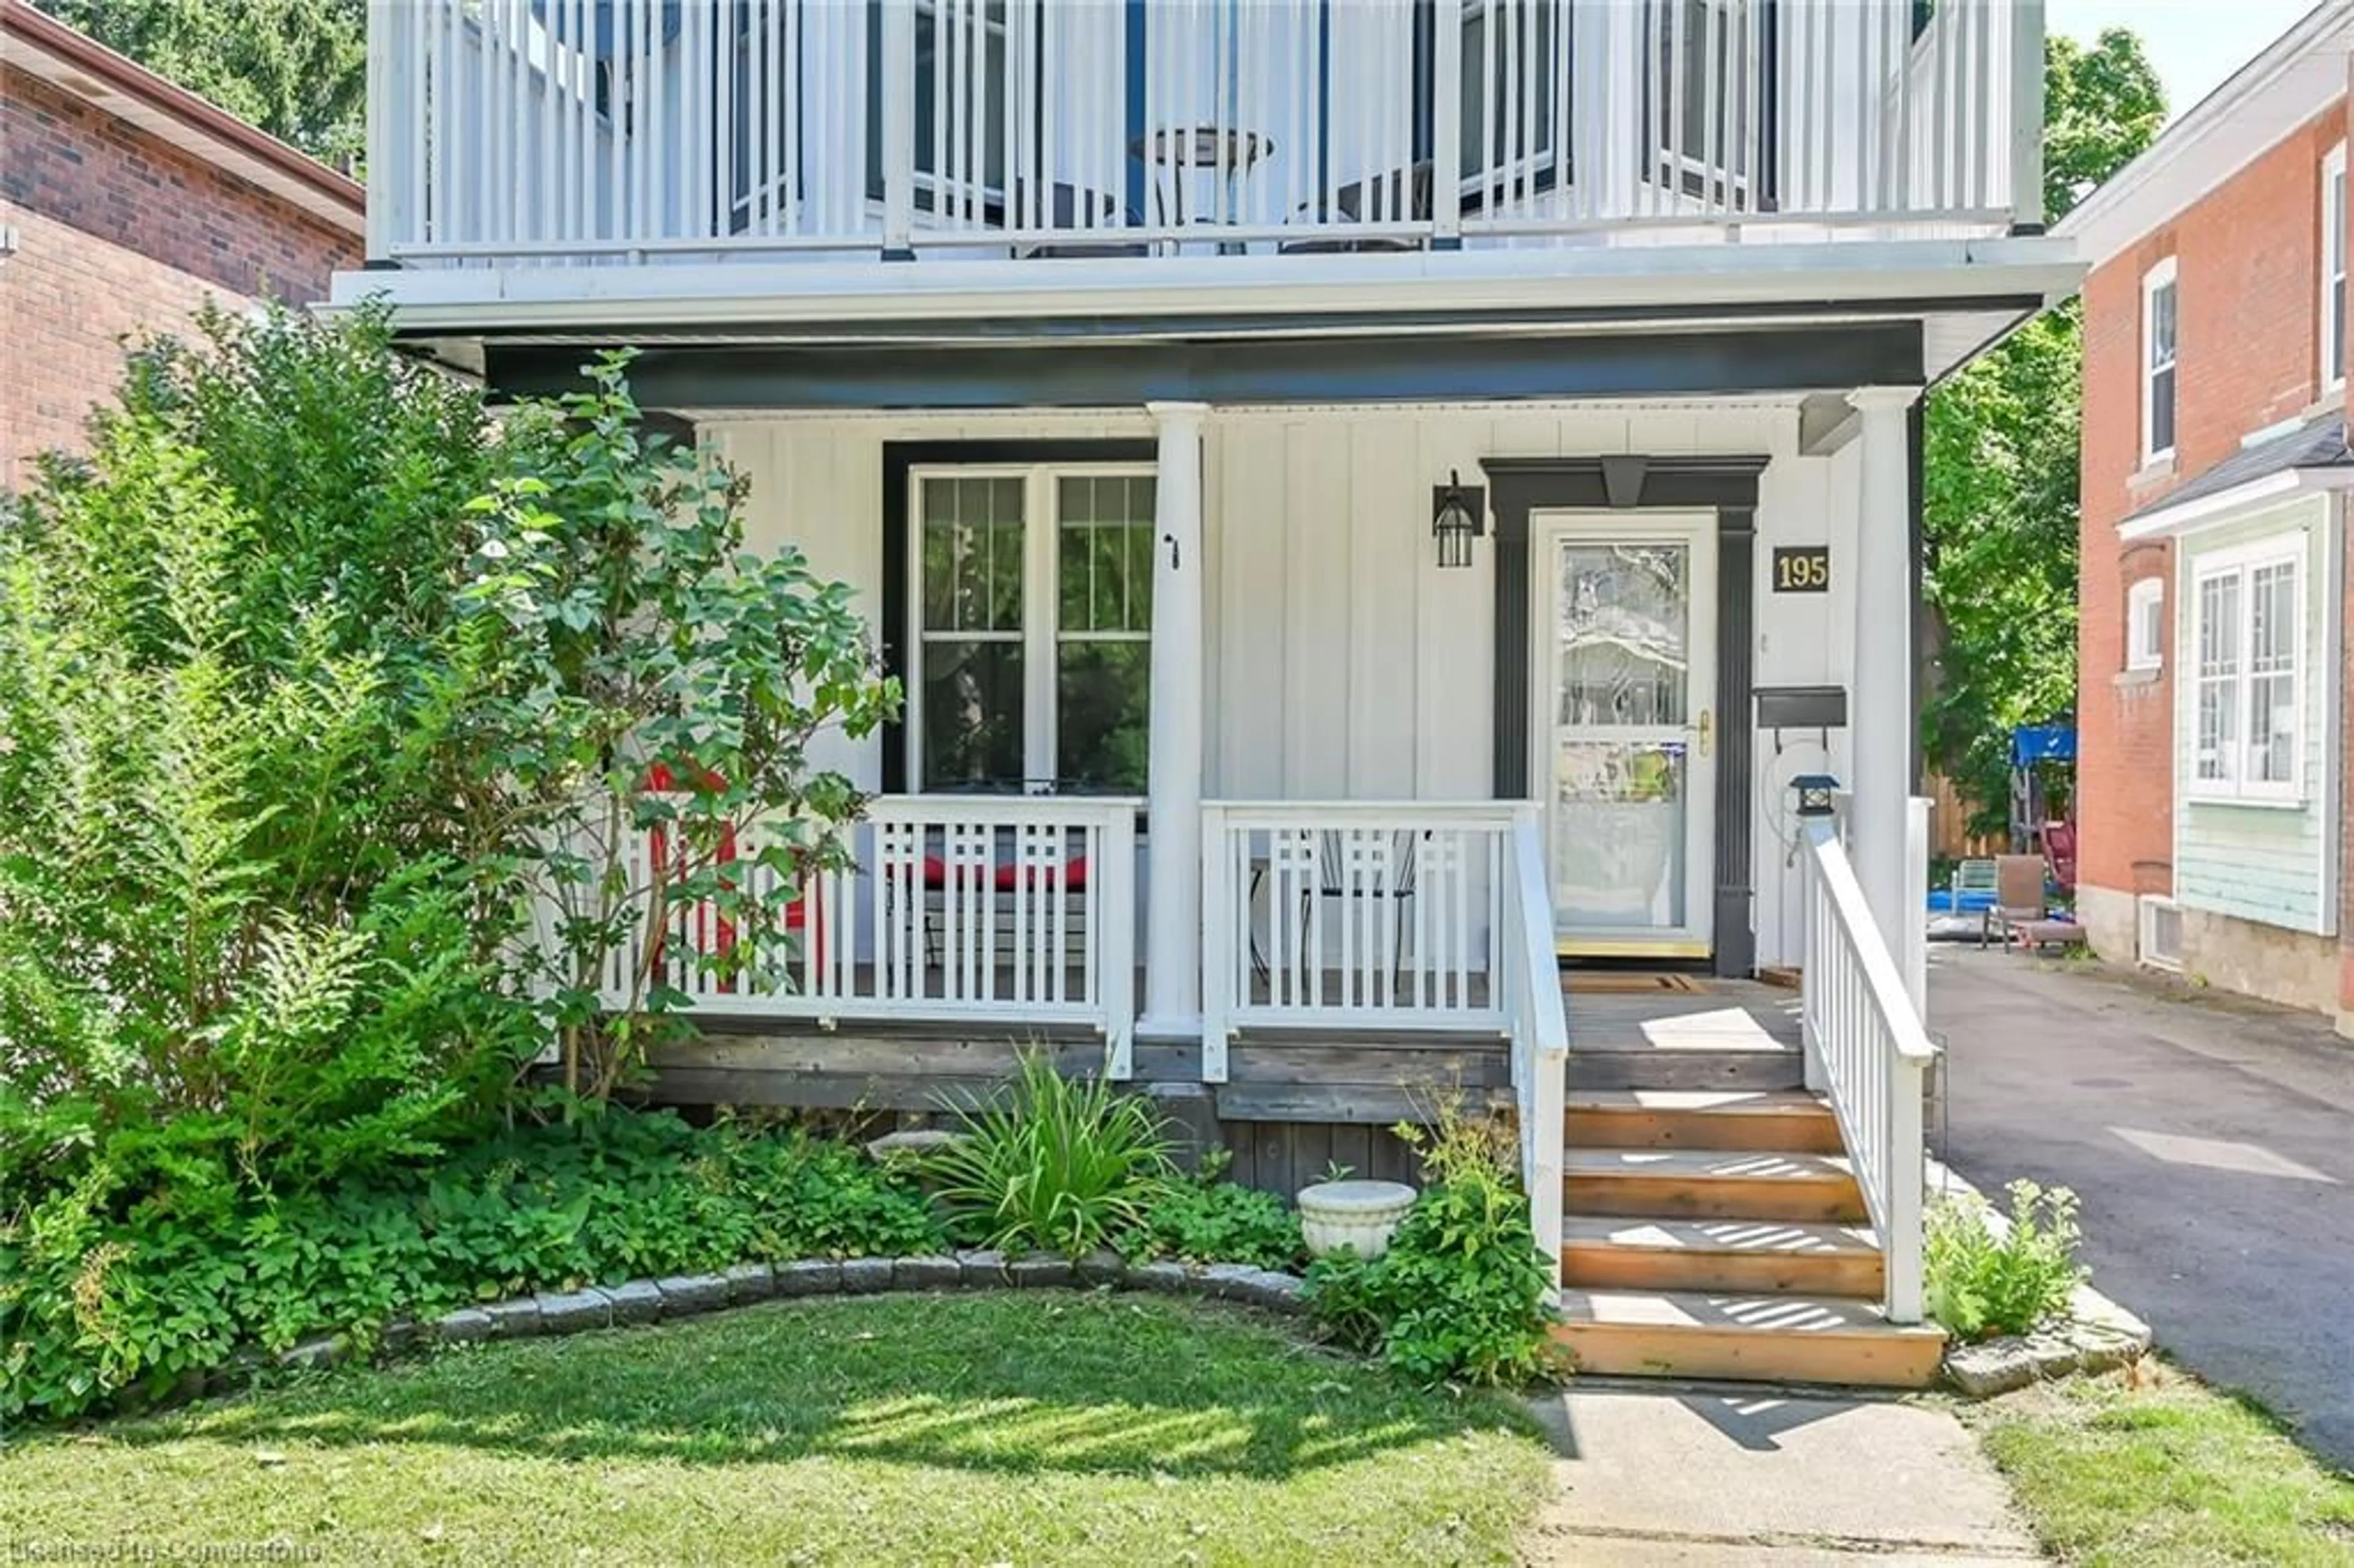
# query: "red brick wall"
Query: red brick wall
{"points": [[2247, 261], [119, 232]]}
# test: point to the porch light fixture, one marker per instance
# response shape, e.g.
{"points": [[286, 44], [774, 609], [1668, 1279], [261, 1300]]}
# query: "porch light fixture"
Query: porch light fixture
{"points": [[1458, 516], [1817, 794]]}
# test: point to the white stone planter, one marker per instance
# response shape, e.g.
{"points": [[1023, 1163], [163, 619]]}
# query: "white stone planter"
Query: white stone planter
{"points": [[1361, 1215]]}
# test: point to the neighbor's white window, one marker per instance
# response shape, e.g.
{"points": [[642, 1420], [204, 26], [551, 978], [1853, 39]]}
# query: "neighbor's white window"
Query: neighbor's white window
{"points": [[2333, 269], [2248, 627], [2145, 624], [1032, 664], [2157, 353]]}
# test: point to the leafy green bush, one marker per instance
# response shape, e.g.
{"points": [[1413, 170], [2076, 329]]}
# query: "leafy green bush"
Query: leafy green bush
{"points": [[641, 668], [1206, 1220], [1053, 1164], [92, 1306], [1980, 1283], [311, 677], [242, 924], [1459, 1295]]}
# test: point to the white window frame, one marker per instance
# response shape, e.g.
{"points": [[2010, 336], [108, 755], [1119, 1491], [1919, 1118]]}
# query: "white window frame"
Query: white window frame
{"points": [[1041, 633], [2333, 303], [2160, 277], [2145, 624], [2242, 565]]}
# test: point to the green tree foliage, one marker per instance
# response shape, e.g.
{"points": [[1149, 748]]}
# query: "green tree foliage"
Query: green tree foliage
{"points": [[642, 671], [311, 679], [238, 936], [1999, 502], [297, 68]]}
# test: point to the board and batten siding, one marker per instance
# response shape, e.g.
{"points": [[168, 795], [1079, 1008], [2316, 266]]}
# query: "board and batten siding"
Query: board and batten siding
{"points": [[2269, 861], [1343, 663]]}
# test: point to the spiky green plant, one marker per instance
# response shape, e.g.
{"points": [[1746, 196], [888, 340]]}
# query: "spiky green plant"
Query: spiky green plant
{"points": [[1985, 1279], [1052, 1163]]}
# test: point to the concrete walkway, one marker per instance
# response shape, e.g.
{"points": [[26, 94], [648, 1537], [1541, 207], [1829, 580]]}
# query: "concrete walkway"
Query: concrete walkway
{"points": [[1716, 1478], [2211, 1141]]}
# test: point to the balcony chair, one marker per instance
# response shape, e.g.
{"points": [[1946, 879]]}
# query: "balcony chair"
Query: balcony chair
{"points": [[1402, 196], [1065, 205], [1396, 886]]}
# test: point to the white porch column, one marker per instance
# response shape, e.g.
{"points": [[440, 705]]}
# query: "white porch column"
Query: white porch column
{"points": [[1172, 969], [1880, 715]]}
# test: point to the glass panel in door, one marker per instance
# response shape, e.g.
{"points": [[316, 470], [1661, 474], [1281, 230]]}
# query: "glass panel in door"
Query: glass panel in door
{"points": [[1621, 796]]}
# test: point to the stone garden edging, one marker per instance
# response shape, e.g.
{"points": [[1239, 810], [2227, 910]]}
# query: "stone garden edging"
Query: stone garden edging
{"points": [[2096, 1336], [551, 1312]]}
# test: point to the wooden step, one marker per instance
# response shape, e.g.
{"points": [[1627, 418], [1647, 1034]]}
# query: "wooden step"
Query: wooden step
{"points": [[1755, 1338], [1711, 1183], [1786, 1119], [1744, 1255], [1618, 1064]]}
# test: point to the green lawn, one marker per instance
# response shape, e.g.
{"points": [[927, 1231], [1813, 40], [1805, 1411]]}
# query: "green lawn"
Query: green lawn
{"points": [[1034, 1427], [2168, 1472]]}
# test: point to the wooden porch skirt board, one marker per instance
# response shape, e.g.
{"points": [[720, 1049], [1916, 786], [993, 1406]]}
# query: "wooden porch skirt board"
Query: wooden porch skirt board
{"points": [[1282, 1157], [1290, 1106]]}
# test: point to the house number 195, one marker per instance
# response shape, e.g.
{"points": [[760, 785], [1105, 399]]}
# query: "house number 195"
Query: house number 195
{"points": [[1802, 569]]}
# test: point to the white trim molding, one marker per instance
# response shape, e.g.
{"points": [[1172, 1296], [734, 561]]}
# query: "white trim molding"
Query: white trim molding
{"points": [[2296, 77], [2207, 511], [1681, 278]]}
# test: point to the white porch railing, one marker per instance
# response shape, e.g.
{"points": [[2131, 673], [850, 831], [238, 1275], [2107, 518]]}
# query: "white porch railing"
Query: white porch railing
{"points": [[1350, 913], [1540, 1028], [1392, 916], [1867, 1048], [998, 910], [505, 131]]}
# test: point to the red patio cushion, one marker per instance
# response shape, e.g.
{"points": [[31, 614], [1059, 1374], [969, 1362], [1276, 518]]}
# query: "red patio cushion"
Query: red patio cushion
{"points": [[1072, 874]]}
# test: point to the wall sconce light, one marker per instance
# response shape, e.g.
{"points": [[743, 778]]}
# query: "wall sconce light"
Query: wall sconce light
{"points": [[1458, 515]]}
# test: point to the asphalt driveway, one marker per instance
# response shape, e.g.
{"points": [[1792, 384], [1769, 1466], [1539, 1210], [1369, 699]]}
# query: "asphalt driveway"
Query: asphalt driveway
{"points": [[2213, 1143]]}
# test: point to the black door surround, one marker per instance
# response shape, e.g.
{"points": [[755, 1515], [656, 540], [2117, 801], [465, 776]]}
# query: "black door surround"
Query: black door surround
{"points": [[1726, 485]]}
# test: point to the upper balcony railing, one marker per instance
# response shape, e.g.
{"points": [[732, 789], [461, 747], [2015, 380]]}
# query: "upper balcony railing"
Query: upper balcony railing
{"points": [[517, 131]]}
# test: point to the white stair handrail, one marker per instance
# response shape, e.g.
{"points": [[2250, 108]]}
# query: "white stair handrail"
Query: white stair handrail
{"points": [[1540, 1026], [1867, 1048]]}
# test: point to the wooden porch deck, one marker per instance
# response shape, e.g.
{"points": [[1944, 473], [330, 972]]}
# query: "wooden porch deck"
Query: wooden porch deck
{"points": [[1720, 1015], [748, 1056], [1292, 1099]]}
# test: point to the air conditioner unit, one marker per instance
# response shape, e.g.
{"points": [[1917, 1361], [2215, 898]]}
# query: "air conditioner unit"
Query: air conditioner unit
{"points": [[2159, 938]]}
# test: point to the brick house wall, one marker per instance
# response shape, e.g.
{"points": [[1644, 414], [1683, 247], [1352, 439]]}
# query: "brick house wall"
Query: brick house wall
{"points": [[2247, 257], [118, 231]]}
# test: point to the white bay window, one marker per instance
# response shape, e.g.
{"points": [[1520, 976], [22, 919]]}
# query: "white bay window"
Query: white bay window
{"points": [[2249, 631], [1031, 666]]}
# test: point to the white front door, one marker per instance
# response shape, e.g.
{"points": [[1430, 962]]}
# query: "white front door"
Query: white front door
{"points": [[1626, 756]]}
